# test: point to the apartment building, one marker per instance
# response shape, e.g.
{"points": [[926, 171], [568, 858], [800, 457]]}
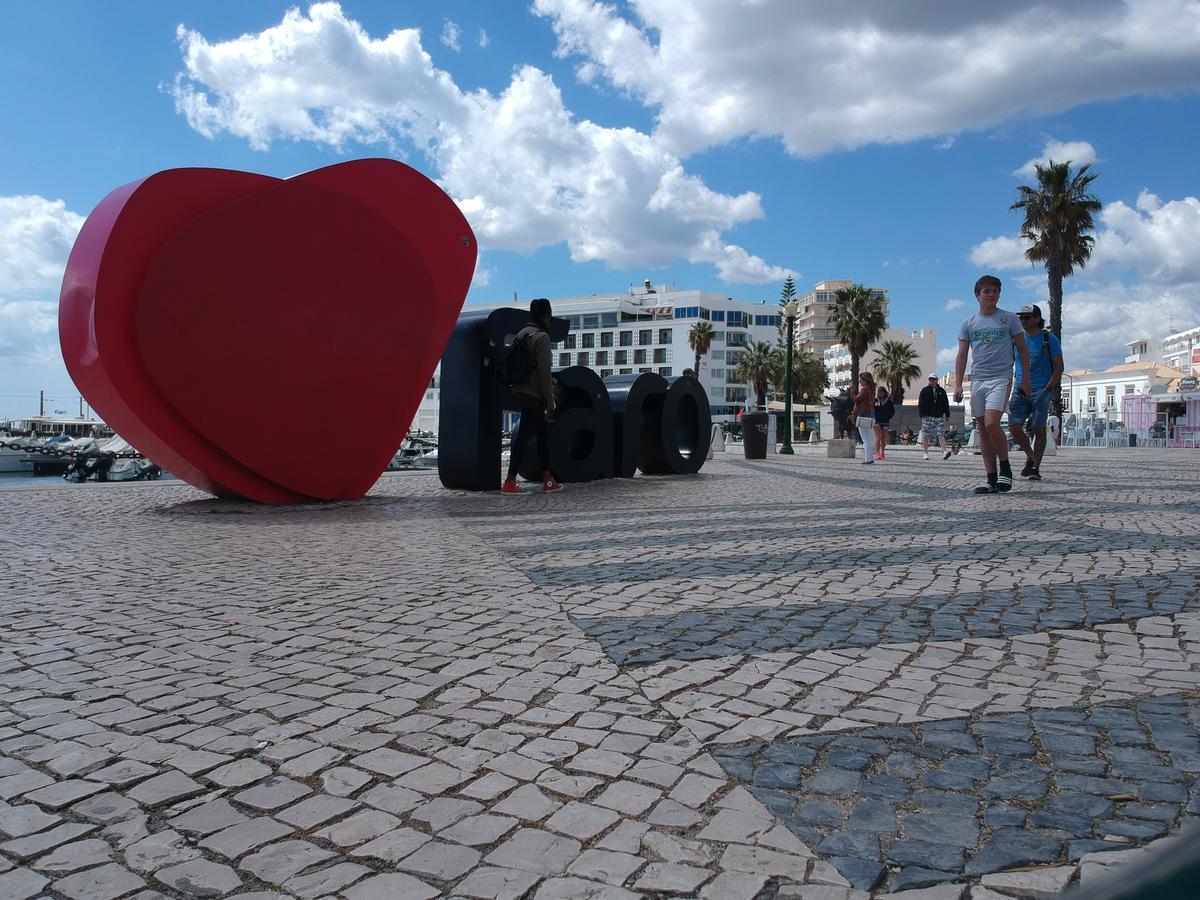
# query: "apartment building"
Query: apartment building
{"points": [[923, 341], [814, 331]]}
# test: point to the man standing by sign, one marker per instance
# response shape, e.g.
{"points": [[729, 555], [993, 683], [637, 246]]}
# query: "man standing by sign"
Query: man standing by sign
{"points": [[1045, 374], [527, 367], [989, 336]]}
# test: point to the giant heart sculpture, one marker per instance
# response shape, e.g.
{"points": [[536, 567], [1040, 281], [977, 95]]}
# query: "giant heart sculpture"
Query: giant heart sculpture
{"points": [[266, 338]]}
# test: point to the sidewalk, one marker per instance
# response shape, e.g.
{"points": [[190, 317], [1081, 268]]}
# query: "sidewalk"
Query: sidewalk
{"points": [[798, 675]]}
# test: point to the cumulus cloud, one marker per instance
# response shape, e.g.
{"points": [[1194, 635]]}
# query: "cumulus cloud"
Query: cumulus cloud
{"points": [[523, 168], [1078, 153], [946, 358], [953, 303], [36, 235], [833, 76], [451, 35], [1142, 280], [484, 40]]}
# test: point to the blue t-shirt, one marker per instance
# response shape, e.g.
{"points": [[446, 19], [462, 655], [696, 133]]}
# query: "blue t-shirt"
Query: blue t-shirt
{"points": [[1041, 362]]}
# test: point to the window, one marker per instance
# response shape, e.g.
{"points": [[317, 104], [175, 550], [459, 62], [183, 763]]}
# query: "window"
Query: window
{"points": [[766, 320], [591, 321], [625, 372], [588, 340], [639, 357], [718, 337], [1129, 389], [608, 319], [602, 357], [717, 374], [569, 343], [581, 359], [606, 339], [604, 373], [664, 335], [573, 321], [733, 357], [620, 357], [665, 372], [646, 371], [705, 314], [645, 337], [1110, 396], [718, 315], [1091, 398], [735, 318], [735, 395], [716, 354], [626, 338], [737, 339], [564, 359], [660, 355], [717, 393]]}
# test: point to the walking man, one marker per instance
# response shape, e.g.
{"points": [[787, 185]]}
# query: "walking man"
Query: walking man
{"points": [[1045, 375], [535, 399], [990, 336], [934, 408]]}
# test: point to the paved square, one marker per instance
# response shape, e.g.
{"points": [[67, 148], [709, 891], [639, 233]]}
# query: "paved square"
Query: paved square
{"points": [[795, 677]]}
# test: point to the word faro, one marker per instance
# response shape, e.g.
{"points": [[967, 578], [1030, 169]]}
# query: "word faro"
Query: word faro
{"points": [[602, 429]]}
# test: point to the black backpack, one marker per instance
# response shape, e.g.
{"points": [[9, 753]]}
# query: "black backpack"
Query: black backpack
{"points": [[513, 360]]}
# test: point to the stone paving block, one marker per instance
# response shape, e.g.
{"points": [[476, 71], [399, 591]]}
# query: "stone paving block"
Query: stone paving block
{"points": [[158, 850], [606, 866], [208, 817], [479, 830], [102, 883], [272, 793], [73, 857], [672, 878], [359, 828], [581, 889], [238, 840], [122, 773], [440, 861], [107, 807], [314, 811], [20, 883], [35, 844], [393, 846], [327, 881], [276, 863], [162, 789], [390, 886], [238, 773], [62, 793], [200, 878], [532, 850], [527, 803]]}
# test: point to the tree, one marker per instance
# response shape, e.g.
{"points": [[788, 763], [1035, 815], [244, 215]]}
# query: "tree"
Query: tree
{"points": [[757, 367], [1058, 217], [895, 365], [786, 295], [809, 375], [700, 338], [858, 320]]}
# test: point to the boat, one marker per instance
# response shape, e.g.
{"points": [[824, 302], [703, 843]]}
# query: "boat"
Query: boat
{"points": [[413, 452]]}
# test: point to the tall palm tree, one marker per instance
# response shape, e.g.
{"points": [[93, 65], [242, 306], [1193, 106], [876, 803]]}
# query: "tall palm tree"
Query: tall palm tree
{"points": [[1058, 217], [858, 320], [895, 365], [758, 368], [700, 338]]}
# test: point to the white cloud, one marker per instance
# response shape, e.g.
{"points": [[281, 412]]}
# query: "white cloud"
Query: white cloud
{"points": [[36, 235], [1143, 278], [831, 76], [946, 358], [526, 172], [1078, 153], [484, 40], [953, 303], [451, 35]]}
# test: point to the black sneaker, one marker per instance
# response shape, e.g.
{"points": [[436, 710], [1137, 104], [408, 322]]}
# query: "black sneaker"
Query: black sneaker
{"points": [[1029, 469], [988, 488], [1004, 483], [1036, 474], [945, 456]]}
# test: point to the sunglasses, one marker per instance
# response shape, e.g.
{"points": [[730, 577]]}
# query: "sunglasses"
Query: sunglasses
{"points": [[1027, 316]]}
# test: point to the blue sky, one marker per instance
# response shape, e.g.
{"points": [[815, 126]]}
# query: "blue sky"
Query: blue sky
{"points": [[714, 145]]}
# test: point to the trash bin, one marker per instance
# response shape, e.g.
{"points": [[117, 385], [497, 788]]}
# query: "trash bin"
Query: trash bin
{"points": [[754, 431], [1132, 439]]}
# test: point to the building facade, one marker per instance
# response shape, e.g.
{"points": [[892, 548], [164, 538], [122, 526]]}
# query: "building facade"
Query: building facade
{"points": [[1089, 394], [1182, 351], [646, 330], [814, 331], [923, 341]]}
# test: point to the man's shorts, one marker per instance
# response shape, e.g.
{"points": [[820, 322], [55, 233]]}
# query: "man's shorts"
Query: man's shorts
{"points": [[933, 428], [991, 394], [1020, 408]]}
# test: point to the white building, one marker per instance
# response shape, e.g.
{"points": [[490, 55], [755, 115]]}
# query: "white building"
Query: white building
{"points": [[924, 341], [646, 330], [814, 330], [1182, 351], [1088, 394]]}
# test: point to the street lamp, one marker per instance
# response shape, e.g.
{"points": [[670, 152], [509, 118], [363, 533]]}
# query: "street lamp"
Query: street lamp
{"points": [[789, 312]]}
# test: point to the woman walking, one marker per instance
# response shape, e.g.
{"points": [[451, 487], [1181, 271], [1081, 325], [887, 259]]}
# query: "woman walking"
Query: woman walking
{"points": [[864, 415], [884, 410]]}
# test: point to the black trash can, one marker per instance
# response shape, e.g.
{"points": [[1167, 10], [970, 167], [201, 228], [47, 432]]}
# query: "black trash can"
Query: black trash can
{"points": [[1132, 439], [754, 435]]}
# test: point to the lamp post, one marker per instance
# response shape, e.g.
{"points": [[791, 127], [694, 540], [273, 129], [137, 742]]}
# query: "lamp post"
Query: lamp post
{"points": [[789, 312]]}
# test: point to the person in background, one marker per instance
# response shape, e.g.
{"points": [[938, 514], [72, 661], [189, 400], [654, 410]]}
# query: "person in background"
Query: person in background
{"points": [[1045, 374], [988, 336], [884, 410], [535, 397], [907, 437], [864, 415], [933, 406]]}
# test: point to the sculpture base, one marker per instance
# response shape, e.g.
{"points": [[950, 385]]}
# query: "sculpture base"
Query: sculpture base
{"points": [[840, 448]]}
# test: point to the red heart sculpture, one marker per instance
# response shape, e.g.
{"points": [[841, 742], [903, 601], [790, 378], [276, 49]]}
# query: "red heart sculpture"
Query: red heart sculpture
{"points": [[216, 319]]}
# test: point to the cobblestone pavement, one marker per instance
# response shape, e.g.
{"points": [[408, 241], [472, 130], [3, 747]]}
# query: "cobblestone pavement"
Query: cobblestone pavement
{"points": [[791, 678]]}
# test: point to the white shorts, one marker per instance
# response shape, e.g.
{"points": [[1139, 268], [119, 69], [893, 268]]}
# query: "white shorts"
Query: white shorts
{"points": [[991, 394]]}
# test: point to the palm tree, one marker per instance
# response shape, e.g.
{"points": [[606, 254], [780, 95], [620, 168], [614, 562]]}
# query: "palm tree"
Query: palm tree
{"points": [[700, 338], [809, 375], [858, 320], [1058, 217], [895, 365], [758, 368]]}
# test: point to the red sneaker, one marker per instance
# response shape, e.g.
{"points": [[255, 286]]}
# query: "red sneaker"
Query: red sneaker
{"points": [[551, 486], [510, 487]]}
